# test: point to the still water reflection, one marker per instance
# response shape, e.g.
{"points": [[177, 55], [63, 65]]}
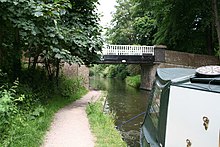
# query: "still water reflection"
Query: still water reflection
{"points": [[126, 102]]}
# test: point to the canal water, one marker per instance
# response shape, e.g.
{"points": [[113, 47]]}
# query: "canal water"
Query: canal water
{"points": [[125, 102]]}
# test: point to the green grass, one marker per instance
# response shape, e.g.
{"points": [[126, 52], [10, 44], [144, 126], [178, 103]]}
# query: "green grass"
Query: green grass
{"points": [[133, 81], [102, 126], [26, 132]]}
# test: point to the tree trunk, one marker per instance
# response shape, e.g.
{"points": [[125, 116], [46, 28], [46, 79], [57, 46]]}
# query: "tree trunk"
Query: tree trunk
{"points": [[35, 62], [16, 56], [217, 21], [57, 70], [209, 40], [48, 68]]}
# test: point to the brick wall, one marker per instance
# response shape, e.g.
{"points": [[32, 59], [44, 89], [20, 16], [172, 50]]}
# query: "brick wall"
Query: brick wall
{"points": [[191, 60]]}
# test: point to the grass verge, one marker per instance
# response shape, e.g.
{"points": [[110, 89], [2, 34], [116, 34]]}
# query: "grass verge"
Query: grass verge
{"points": [[102, 125], [134, 81]]}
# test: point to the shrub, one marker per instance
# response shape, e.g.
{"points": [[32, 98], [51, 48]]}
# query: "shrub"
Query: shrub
{"points": [[68, 86], [15, 107], [27, 108], [134, 81]]}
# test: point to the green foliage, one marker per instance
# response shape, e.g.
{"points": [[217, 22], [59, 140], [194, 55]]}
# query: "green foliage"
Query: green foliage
{"points": [[130, 25], [69, 86], [52, 30], [134, 81], [27, 107], [15, 108], [134, 69], [103, 126], [115, 71], [187, 26], [110, 71], [97, 70]]}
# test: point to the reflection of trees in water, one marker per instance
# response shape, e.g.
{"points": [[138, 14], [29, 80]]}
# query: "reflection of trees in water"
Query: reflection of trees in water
{"points": [[98, 83]]}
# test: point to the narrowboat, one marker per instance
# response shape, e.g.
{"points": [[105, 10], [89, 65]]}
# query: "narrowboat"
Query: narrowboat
{"points": [[183, 109]]}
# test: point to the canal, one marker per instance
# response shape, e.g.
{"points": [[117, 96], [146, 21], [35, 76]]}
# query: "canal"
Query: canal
{"points": [[125, 102]]}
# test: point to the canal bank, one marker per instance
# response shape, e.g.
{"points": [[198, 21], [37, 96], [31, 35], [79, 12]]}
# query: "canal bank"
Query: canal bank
{"points": [[125, 102]]}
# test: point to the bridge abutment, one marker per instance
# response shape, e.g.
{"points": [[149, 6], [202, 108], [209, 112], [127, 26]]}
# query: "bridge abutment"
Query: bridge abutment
{"points": [[148, 71], [148, 75]]}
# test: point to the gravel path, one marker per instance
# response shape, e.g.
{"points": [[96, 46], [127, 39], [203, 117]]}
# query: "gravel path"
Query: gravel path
{"points": [[70, 127]]}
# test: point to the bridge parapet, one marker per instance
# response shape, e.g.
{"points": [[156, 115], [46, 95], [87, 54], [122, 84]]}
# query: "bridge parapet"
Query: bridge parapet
{"points": [[129, 54], [127, 50]]}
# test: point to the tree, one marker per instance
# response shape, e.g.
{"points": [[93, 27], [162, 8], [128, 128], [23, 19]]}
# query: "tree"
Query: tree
{"points": [[121, 31], [217, 21], [185, 26], [131, 24], [144, 23], [56, 31], [181, 25]]}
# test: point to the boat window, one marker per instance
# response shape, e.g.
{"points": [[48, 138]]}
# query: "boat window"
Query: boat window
{"points": [[155, 106]]}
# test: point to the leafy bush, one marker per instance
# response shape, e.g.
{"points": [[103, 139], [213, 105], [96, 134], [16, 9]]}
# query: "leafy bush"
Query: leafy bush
{"points": [[134, 69], [8, 106], [27, 107], [69, 86], [134, 81], [115, 71], [15, 107], [97, 70]]}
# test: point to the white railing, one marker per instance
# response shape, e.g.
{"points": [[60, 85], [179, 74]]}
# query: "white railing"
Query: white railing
{"points": [[127, 50]]}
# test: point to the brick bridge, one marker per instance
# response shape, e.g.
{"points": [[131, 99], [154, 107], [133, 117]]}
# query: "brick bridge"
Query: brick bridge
{"points": [[152, 57]]}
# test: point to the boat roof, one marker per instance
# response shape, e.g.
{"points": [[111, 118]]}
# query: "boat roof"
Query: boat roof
{"points": [[168, 74], [181, 77]]}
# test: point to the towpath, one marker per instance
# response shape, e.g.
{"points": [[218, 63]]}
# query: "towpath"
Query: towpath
{"points": [[70, 127]]}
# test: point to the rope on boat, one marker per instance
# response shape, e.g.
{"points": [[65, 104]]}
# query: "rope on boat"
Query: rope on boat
{"points": [[128, 121]]}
